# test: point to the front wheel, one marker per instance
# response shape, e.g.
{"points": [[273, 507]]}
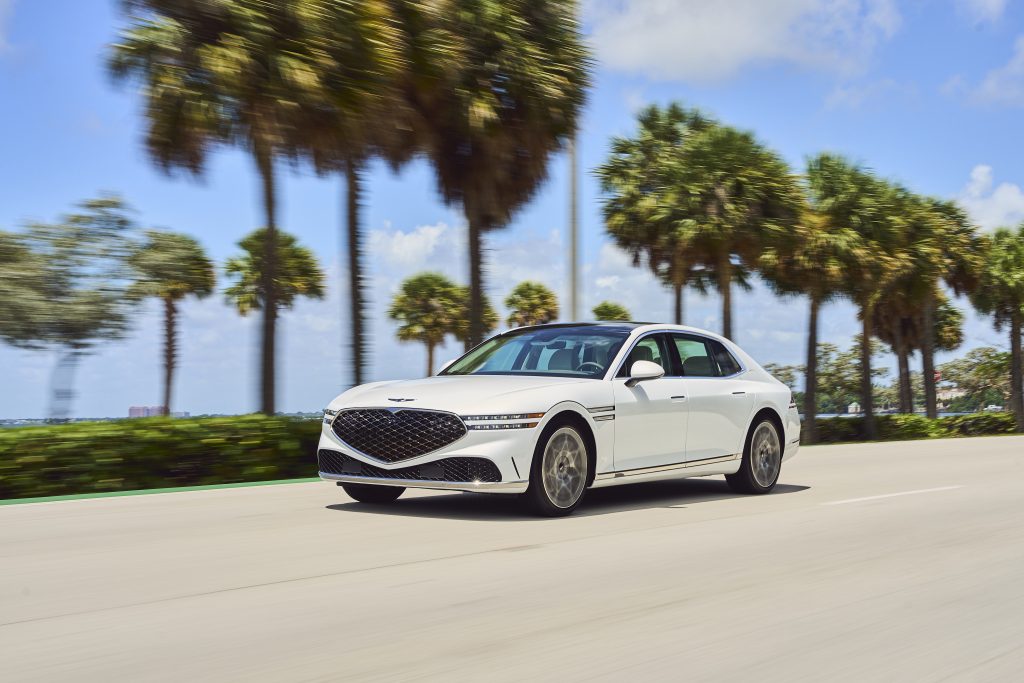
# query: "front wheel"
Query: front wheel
{"points": [[371, 493], [762, 460], [558, 476]]}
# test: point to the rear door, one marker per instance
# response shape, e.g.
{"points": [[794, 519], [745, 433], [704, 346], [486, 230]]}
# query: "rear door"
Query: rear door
{"points": [[718, 398], [650, 417]]}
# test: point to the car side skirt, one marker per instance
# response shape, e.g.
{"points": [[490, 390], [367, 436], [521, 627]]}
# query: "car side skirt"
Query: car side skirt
{"points": [[726, 464]]}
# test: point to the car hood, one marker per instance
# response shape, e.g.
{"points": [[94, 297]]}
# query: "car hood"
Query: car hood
{"points": [[465, 394]]}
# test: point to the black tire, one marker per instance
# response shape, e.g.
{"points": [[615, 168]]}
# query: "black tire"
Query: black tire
{"points": [[568, 470], [759, 471], [373, 494]]}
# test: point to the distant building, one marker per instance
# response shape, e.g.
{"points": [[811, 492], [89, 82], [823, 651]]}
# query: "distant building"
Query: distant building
{"points": [[145, 411], [946, 394], [853, 408]]}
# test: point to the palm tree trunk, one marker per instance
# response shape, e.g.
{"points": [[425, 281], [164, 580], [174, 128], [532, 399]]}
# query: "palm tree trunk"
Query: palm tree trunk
{"points": [[356, 280], [430, 359], [810, 430], [678, 288], [1016, 372], [725, 287], [265, 164], [866, 390], [905, 392], [62, 384], [170, 350], [476, 280], [928, 355]]}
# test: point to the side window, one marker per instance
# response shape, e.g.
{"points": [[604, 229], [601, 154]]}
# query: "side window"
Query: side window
{"points": [[727, 363], [650, 348], [695, 356]]}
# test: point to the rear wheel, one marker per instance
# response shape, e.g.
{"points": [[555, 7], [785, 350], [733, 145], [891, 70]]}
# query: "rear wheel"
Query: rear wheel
{"points": [[370, 493], [762, 460]]}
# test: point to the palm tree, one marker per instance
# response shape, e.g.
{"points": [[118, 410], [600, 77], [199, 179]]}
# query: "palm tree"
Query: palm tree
{"points": [[361, 114], [490, 321], [239, 72], [1000, 293], [510, 96], [297, 273], [809, 261], [855, 200], [742, 197], [170, 267], [429, 307], [22, 292], [644, 211], [609, 310], [531, 303]]}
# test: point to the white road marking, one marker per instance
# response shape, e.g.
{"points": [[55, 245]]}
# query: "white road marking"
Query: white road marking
{"points": [[892, 495]]}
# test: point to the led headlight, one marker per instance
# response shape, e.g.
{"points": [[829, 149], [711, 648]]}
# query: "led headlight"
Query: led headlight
{"points": [[329, 415]]}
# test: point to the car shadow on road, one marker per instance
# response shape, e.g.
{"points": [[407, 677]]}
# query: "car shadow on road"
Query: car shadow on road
{"points": [[679, 493]]}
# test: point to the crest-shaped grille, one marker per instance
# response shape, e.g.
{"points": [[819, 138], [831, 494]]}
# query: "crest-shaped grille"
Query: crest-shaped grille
{"points": [[397, 434]]}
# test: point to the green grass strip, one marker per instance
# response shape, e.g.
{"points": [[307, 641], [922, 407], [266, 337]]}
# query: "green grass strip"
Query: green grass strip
{"points": [[143, 492]]}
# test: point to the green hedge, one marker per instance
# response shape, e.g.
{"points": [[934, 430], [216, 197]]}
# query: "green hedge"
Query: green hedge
{"points": [[906, 427], [95, 457]]}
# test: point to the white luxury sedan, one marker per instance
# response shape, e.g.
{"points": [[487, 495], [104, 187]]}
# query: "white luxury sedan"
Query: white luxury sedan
{"points": [[547, 412]]}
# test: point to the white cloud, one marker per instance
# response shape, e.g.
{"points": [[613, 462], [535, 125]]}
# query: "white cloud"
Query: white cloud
{"points": [[697, 40], [856, 95], [6, 10], [992, 205], [413, 249], [1005, 85], [981, 11]]}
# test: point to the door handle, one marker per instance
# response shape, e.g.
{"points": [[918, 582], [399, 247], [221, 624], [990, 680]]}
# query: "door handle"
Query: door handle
{"points": [[738, 393], [678, 398]]}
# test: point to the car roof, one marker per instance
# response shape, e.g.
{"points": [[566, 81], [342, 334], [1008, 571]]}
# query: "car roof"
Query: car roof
{"points": [[621, 325]]}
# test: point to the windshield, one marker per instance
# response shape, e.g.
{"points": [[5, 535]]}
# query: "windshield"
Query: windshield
{"points": [[553, 351]]}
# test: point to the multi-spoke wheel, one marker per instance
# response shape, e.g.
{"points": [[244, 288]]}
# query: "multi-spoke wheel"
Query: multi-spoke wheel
{"points": [[558, 477], [762, 460]]}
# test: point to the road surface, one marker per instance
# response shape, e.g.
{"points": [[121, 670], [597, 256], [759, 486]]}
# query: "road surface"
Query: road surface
{"points": [[895, 561]]}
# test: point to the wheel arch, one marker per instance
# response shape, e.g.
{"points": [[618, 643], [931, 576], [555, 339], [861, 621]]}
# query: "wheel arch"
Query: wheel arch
{"points": [[776, 419]]}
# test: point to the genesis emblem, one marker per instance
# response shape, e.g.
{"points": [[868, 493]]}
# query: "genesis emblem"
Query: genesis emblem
{"points": [[401, 400]]}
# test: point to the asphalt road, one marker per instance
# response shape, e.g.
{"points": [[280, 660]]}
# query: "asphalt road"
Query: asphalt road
{"points": [[899, 561]]}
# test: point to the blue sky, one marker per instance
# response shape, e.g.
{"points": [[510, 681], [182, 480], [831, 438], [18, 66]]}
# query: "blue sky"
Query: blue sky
{"points": [[928, 92]]}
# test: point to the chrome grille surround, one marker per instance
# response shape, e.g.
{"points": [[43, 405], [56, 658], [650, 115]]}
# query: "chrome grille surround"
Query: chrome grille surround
{"points": [[396, 434], [452, 470]]}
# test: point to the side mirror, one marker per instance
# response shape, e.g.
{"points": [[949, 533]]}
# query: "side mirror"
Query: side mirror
{"points": [[445, 365], [643, 370]]}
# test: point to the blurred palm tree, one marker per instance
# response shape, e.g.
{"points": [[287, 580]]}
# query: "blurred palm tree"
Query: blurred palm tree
{"points": [[508, 96], [1000, 293], [871, 212], [531, 303], [245, 73], [742, 197], [809, 260], [21, 291], [644, 211], [169, 267], [609, 310], [364, 56], [901, 324], [79, 291], [428, 307], [297, 273]]}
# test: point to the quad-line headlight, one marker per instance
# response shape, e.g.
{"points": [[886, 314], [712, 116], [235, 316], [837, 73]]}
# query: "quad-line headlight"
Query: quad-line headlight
{"points": [[497, 422]]}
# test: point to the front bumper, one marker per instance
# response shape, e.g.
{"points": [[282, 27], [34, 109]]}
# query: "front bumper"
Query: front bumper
{"points": [[482, 487], [509, 451]]}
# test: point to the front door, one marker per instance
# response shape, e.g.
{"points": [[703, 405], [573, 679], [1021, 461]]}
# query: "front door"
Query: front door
{"points": [[651, 416]]}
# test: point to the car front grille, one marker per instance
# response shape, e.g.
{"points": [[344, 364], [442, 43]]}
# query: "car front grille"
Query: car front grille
{"points": [[395, 435], [454, 470]]}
